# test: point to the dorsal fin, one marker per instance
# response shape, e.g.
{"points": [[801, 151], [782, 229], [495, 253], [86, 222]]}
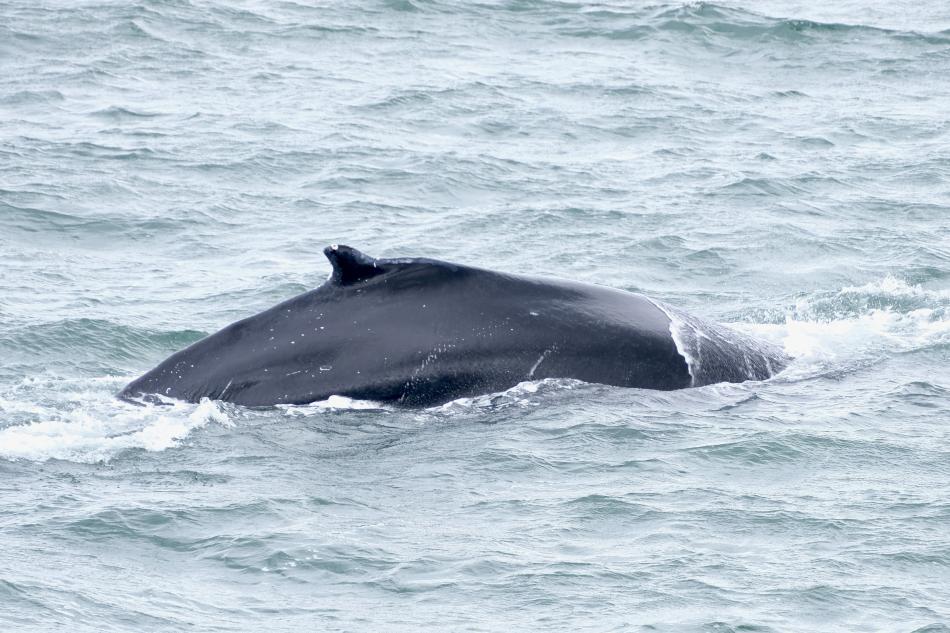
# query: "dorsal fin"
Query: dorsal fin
{"points": [[351, 266]]}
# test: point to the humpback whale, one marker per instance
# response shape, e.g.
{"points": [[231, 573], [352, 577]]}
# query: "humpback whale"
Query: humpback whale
{"points": [[420, 332]]}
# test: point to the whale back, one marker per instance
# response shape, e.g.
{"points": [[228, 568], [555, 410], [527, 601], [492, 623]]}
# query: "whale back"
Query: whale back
{"points": [[418, 332]]}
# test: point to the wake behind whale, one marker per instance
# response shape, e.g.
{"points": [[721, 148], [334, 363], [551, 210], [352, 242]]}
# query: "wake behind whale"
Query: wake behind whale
{"points": [[421, 332]]}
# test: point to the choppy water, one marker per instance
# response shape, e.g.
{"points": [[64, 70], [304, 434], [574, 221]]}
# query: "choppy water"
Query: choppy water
{"points": [[168, 167]]}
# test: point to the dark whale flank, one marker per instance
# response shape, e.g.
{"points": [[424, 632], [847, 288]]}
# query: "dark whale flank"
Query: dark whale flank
{"points": [[419, 332]]}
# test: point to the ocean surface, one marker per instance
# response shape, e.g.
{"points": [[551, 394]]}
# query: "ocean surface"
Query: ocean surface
{"points": [[167, 167]]}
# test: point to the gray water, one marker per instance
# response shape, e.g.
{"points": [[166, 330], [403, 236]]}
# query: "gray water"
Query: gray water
{"points": [[783, 167]]}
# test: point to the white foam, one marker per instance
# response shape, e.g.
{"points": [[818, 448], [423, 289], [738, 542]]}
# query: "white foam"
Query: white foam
{"points": [[90, 425], [877, 329], [819, 333], [519, 395], [895, 287], [331, 403], [853, 325]]}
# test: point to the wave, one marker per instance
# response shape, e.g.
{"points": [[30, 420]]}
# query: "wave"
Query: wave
{"points": [[87, 424], [29, 97], [91, 339], [116, 113], [47, 224], [710, 22]]}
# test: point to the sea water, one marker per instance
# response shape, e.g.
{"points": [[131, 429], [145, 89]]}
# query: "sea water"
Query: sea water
{"points": [[167, 167]]}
